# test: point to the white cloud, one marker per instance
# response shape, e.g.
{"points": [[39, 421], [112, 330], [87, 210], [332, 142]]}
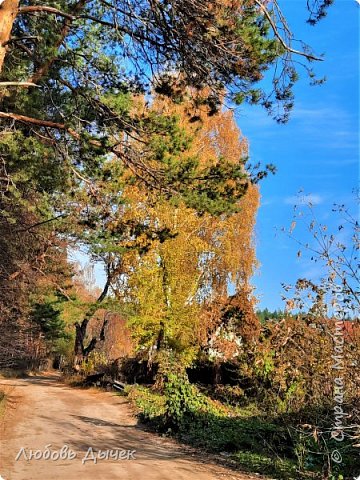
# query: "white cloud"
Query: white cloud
{"points": [[313, 199]]}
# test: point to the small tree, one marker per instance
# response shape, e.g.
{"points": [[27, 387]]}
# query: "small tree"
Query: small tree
{"points": [[330, 307], [336, 252]]}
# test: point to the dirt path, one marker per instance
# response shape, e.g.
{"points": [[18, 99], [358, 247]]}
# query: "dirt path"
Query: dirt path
{"points": [[42, 411]]}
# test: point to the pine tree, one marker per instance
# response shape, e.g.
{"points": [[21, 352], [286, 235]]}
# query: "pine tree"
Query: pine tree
{"points": [[167, 284]]}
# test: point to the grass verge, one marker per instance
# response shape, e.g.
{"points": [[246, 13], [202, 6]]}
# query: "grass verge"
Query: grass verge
{"points": [[253, 440]]}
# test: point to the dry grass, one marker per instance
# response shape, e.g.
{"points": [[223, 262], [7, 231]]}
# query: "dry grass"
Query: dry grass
{"points": [[2, 402], [13, 373]]}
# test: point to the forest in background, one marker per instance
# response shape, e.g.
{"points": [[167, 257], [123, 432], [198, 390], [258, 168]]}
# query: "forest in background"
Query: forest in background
{"points": [[118, 137]]}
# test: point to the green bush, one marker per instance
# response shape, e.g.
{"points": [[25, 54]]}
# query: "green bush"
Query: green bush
{"points": [[274, 444], [184, 401]]}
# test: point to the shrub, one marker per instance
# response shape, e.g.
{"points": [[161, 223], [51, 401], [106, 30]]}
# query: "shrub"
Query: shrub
{"points": [[229, 394], [184, 401], [95, 362]]}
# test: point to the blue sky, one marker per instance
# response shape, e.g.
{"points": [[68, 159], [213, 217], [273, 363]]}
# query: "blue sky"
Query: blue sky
{"points": [[317, 150]]}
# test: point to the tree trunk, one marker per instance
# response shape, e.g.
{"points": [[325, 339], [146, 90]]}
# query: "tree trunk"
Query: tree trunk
{"points": [[80, 351], [217, 373], [80, 331], [160, 337], [8, 12]]}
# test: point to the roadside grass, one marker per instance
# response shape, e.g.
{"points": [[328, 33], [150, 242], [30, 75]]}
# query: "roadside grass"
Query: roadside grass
{"points": [[254, 441], [8, 373], [73, 380], [13, 373], [247, 440]]}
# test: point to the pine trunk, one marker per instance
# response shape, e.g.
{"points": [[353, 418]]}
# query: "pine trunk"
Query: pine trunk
{"points": [[8, 12]]}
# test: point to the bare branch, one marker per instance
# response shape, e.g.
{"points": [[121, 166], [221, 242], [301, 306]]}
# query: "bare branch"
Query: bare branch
{"points": [[47, 123], [38, 224], [40, 8], [38, 121], [18, 84], [279, 37]]}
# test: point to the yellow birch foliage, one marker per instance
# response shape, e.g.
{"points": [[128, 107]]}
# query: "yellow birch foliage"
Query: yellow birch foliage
{"points": [[169, 285]]}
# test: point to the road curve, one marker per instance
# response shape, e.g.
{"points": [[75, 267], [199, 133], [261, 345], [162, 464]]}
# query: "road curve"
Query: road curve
{"points": [[41, 411]]}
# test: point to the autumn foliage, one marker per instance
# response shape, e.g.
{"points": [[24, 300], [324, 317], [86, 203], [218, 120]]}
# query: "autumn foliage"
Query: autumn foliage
{"points": [[169, 284]]}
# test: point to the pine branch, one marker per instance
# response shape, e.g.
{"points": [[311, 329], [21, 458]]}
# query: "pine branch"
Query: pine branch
{"points": [[279, 37]]}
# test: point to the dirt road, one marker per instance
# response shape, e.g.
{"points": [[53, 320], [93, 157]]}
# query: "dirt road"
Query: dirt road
{"points": [[42, 411]]}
